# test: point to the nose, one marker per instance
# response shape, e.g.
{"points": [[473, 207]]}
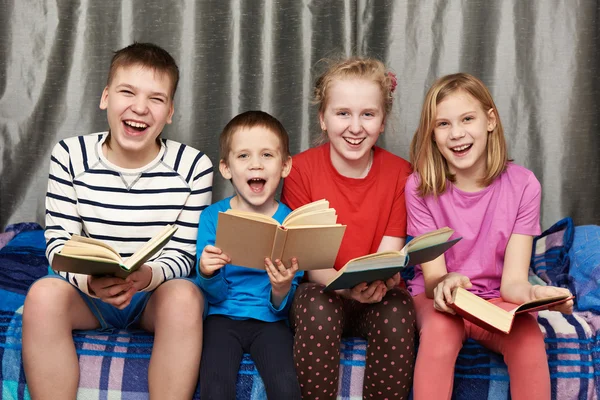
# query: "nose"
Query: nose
{"points": [[355, 125], [139, 105], [457, 132], [256, 163]]}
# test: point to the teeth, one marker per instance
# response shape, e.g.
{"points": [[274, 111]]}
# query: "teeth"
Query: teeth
{"points": [[136, 124], [461, 148], [354, 141]]}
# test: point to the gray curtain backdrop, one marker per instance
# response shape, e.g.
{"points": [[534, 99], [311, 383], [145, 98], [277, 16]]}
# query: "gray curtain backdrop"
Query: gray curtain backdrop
{"points": [[540, 60]]}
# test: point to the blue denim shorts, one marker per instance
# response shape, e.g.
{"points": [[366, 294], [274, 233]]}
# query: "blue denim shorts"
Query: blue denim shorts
{"points": [[110, 317]]}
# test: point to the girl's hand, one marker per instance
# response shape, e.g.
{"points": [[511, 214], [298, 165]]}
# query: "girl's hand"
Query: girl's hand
{"points": [[393, 282], [212, 259], [540, 292], [141, 278], [442, 293], [281, 278], [368, 292], [112, 290]]}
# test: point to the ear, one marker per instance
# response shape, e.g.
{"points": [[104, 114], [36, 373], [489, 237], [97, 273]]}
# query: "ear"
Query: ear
{"points": [[104, 99], [382, 126], [224, 169], [322, 122], [287, 167], [171, 111], [491, 117]]}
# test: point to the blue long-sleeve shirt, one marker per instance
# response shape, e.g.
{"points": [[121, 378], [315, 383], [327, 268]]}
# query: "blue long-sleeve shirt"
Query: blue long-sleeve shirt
{"points": [[239, 292]]}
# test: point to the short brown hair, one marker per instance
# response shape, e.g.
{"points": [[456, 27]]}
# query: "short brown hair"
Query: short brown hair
{"points": [[252, 119], [426, 158], [147, 55]]}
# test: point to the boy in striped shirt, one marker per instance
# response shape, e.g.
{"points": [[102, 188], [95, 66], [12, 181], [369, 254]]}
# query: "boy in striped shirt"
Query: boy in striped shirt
{"points": [[122, 187]]}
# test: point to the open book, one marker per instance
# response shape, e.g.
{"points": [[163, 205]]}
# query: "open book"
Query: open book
{"points": [[310, 233], [491, 317], [83, 255], [384, 265]]}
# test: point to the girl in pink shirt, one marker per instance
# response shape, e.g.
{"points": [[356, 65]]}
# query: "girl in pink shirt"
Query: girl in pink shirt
{"points": [[463, 179]]}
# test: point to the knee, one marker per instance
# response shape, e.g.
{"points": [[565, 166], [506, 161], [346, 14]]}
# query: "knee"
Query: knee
{"points": [[312, 305], [180, 301], [46, 299]]}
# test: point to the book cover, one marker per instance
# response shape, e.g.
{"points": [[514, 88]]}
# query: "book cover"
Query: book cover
{"points": [[493, 318], [384, 265], [83, 255], [310, 233]]}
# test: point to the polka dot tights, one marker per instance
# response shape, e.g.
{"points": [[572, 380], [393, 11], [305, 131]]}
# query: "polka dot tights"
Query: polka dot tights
{"points": [[320, 319]]}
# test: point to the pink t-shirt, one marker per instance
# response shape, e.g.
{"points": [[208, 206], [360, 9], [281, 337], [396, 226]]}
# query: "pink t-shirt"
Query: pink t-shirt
{"points": [[485, 220]]}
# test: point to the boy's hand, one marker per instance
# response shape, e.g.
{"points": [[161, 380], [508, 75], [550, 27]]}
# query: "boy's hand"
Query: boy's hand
{"points": [[281, 279], [368, 292], [442, 293], [141, 278], [212, 259], [112, 290], [540, 292]]}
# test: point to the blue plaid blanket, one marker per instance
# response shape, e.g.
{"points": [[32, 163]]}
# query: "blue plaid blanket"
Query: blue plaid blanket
{"points": [[114, 366]]}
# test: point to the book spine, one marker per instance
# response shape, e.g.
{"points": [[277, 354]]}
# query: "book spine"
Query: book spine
{"points": [[279, 244]]}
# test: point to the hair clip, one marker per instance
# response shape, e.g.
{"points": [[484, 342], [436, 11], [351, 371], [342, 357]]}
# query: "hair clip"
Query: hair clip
{"points": [[393, 80]]}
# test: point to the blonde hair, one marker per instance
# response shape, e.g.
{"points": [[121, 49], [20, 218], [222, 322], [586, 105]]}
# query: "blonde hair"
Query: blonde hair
{"points": [[365, 68], [426, 158]]}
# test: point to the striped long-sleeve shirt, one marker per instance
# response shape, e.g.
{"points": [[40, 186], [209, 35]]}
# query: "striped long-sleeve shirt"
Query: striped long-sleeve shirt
{"points": [[90, 196]]}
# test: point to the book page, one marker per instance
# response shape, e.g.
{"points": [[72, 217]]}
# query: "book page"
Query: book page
{"points": [[95, 242], [75, 248], [541, 304], [151, 247], [383, 259], [317, 217], [314, 206], [429, 239]]}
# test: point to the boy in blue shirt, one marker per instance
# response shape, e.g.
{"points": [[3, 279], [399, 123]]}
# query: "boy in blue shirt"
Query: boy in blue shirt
{"points": [[248, 308]]}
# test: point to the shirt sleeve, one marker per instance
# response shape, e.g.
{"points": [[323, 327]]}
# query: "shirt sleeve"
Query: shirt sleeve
{"points": [[419, 218], [179, 255], [215, 287], [528, 215], [62, 217], [397, 222], [296, 191]]}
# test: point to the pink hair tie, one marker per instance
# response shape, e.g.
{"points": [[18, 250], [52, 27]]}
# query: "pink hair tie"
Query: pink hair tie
{"points": [[394, 81]]}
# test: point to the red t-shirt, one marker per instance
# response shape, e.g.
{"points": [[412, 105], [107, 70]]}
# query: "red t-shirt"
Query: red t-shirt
{"points": [[371, 207]]}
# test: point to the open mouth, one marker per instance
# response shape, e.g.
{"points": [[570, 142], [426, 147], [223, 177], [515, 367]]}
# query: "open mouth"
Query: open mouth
{"points": [[257, 184], [134, 127], [459, 150], [353, 141]]}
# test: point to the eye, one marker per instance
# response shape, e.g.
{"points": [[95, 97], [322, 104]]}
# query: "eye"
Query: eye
{"points": [[268, 155], [369, 114], [158, 99], [342, 113], [469, 118], [126, 92], [242, 155], [441, 124]]}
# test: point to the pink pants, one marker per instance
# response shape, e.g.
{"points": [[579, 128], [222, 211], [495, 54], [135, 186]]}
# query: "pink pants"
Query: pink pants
{"points": [[442, 336]]}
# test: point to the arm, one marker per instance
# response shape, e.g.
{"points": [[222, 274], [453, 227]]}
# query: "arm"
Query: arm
{"points": [[62, 215], [210, 268], [179, 255], [283, 285], [515, 287]]}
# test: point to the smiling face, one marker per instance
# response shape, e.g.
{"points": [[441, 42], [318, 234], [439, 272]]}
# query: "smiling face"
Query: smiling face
{"points": [[461, 134], [353, 118], [138, 105], [255, 165]]}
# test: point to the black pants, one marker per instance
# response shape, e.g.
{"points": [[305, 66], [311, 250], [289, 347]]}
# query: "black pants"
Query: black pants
{"points": [[270, 346]]}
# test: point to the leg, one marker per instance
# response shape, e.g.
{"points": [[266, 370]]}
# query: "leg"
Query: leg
{"points": [[221, 358], [53, 308], [389, 327], [272, 353], [317, 319], [441, 337], [524, 352], [174, 314]]}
